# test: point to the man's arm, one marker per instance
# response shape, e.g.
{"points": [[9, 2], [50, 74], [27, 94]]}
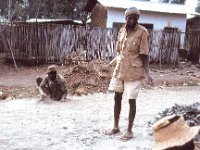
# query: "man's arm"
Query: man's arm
{"points": [[112, 63], [42, 93], [44, 83], [42, 88], [63, 88], [145, 61]]}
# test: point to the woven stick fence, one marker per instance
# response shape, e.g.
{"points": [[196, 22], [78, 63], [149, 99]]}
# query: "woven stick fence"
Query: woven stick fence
{"points": [[58, 43], [192, 45], [53, 43], [165, 45]]}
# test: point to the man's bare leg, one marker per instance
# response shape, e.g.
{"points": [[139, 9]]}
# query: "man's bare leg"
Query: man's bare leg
{"points": [[117, 110], [132, 111], [42, 93]]}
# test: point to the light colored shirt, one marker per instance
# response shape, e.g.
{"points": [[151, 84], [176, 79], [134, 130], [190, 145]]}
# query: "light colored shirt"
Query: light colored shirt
{"points": [[129, 65]]}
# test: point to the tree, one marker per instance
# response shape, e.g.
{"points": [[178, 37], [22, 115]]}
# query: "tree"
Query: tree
{"points": [[197, 9], [3, 10], [9, 7], [173, 1], [55, 9]]}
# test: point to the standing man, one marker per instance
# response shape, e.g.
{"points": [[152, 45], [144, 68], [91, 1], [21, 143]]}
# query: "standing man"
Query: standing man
{"points": [[53, 86], [131, 65]]}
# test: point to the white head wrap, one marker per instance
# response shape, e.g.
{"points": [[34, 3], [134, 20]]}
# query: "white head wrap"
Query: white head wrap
{"points": [[132, 10]]}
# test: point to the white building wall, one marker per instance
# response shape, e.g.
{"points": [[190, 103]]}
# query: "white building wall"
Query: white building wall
{"points": [[159, 20], [114, 15], [155, 1]]}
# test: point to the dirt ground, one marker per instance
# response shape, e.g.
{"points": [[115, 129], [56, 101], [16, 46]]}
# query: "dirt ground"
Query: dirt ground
{"points": [[87, 78], [80, 122]]}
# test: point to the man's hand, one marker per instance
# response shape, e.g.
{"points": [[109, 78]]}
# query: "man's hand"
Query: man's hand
{"points": [[145, 61], [43, 97], [63, 100], [105, 67], [64, 97]]}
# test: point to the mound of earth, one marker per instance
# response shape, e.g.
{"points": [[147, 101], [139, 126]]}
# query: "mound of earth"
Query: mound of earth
{"points": [[84, 78]]}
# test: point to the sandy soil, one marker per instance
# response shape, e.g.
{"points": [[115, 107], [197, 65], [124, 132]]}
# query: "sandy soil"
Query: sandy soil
{"points": [[80, 122]]}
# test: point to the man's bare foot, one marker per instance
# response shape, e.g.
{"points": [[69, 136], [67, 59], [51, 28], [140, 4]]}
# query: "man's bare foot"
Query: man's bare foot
{"points": [[127, 136], [65, 100], [112, 131], [43, 98]]}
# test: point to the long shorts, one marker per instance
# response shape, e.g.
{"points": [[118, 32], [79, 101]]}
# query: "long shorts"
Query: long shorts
{"points": [[132, 88]]}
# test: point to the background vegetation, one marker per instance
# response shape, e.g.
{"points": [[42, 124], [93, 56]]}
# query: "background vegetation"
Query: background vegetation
{"points": [[55, 9]]}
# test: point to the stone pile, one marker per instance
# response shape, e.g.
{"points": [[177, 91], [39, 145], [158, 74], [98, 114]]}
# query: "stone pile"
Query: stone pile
{"points": [[191, 114]]}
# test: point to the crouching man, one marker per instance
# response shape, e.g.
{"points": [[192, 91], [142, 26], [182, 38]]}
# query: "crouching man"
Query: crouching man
{"points": [[53, 86]]}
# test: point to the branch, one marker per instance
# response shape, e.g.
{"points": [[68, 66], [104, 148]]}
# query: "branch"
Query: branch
{"points": [[38, 9]]}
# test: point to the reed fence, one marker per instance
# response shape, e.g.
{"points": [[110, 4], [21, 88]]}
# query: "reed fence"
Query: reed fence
{"points": [[49, 43], [52, 43], [192, 44], [165, 45]]}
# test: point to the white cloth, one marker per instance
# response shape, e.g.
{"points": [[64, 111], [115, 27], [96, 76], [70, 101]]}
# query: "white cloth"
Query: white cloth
{"points": [[132, 88]]}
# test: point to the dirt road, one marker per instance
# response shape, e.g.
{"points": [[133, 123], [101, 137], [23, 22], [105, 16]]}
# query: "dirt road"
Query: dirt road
{"points": [[79, 123]]}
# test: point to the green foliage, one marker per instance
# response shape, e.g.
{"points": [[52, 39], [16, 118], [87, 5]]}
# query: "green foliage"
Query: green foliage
{"points": [[56, 9], [173, 1], [197, 9], [12, 4]]}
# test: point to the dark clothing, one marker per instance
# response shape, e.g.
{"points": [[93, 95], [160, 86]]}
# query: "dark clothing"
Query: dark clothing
{"points": [[55, 89]]}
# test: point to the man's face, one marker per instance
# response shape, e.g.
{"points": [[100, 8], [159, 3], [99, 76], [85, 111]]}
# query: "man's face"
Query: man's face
{"points": [[52, 75], [131, 21]]}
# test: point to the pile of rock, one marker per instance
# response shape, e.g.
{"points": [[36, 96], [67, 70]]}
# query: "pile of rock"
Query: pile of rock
{"points": [[191, 114]]}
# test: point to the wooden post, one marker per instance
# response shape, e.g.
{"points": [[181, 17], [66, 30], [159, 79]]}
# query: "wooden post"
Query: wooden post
{"points": [[11, 51]]}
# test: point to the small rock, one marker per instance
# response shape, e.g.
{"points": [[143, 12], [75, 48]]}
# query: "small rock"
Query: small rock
{"points": [[181, 74], [189, 72], [197, 65], [164, 83], [154, 70], [65, 128], [3, 96], [190, 122], [81, 91], [92, 82], [185, 84], [175, 70], [182, 62], [194, 75]]}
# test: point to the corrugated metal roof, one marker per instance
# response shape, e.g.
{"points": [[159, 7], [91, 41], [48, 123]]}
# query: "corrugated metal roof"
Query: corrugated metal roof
{"points": [[53, 21], [147, 6]]}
